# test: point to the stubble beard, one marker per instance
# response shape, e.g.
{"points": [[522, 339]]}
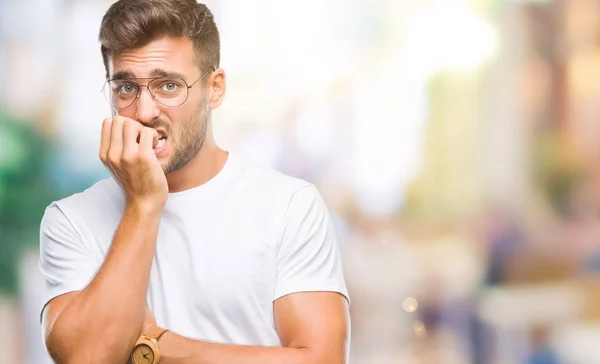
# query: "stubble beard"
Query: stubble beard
{"points": [[192, 136]]}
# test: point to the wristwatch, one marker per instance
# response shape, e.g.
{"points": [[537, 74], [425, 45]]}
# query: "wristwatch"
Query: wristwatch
{"points": [[146, 350]]}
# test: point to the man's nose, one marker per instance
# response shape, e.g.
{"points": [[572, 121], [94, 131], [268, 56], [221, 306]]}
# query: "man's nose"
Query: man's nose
{"points": [[147, 107]]}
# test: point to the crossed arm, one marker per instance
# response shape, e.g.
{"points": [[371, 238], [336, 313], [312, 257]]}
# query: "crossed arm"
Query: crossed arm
{"points": [[312, 328], [101, 323]]}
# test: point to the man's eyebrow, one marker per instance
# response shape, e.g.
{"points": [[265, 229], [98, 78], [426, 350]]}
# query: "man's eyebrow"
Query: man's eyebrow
{"points": [[122, 75], [159, 72]]}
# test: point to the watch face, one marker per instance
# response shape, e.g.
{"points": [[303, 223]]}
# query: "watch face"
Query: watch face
{"points": [[143, 354]]}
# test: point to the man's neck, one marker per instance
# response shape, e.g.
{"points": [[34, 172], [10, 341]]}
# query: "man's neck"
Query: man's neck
{"points": [[203, 167]]}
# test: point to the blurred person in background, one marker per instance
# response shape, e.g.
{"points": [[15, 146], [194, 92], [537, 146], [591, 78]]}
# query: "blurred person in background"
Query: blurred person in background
{"points": [[189, 253]]}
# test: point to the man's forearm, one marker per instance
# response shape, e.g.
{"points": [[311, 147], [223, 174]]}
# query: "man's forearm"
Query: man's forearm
{"points": [[176, 349], [105, 318]]}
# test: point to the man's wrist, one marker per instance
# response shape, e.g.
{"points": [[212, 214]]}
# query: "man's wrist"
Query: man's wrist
{"points": [[148, 346], [145, 210], [163, 344], [174, 351]]}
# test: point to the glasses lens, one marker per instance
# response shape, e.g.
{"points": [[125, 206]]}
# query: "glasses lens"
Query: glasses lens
{"points": [[120, 93], [169, 91]]}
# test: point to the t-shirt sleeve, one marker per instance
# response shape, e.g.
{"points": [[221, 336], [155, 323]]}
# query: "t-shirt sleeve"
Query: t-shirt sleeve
{"points": [[308, 257], [65, 262]]}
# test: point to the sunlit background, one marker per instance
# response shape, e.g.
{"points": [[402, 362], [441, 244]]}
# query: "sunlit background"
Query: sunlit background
{"points": [[455, 142]]}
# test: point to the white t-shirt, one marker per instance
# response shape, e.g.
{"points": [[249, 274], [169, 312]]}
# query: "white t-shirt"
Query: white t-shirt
{"points": [[225, 250]]}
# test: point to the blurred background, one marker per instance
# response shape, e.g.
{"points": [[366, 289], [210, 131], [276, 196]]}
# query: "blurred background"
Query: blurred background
{"points": [[456, 143]]}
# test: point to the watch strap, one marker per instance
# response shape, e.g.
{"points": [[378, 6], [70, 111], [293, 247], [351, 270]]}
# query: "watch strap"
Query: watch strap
{"points": [[155, 332]]}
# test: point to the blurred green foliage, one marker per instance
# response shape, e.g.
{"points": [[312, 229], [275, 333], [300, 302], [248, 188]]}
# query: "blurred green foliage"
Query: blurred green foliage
{"points": [[25, 191]]}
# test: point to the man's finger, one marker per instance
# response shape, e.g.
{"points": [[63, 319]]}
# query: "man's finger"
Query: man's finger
{"points": [[105, 140], [131, 132], [115, 150], [148, 139]]}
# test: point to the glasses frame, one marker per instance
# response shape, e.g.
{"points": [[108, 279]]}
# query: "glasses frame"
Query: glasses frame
{"points": [[151, 79]]}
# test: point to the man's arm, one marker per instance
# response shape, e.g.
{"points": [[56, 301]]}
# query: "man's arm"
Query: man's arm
{"points": [[101, 323], [310, 315], [312, 327]]}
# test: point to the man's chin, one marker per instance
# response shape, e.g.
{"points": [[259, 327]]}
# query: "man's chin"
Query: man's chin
{"points": [[169, 167], [165, 165]]}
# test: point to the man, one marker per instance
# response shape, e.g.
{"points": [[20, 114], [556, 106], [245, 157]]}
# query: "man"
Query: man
{"points": [[238, 263]]}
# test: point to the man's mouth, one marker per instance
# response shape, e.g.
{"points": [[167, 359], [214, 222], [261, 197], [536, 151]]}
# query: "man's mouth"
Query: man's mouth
{"points": [[162, 140]]}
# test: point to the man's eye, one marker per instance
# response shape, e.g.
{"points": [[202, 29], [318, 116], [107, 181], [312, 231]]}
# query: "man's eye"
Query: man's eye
{"points": [[126, 88], [170, 86]]}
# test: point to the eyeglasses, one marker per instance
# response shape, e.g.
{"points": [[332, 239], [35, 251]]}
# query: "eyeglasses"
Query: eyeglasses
{"points": [[168, 91]]}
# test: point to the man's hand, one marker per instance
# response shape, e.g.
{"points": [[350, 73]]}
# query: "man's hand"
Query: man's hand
{"points": [[134, 164]]}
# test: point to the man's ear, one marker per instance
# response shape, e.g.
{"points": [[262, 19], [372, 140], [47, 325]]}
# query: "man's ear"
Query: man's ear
{"points": [[217, 88]]}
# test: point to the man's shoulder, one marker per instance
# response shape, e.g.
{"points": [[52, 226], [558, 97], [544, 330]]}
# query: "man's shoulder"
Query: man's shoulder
{"points": [[92, 209], [268, 180], [96, 197]]}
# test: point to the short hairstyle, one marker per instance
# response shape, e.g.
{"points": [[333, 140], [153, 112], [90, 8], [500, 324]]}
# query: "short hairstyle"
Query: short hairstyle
{"points": [[130, 24]]}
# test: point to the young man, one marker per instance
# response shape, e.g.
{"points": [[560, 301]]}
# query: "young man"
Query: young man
{"points": [[238, 263]]}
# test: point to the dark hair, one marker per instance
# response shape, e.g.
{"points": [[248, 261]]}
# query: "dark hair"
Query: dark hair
{"points": [[130, 24]]}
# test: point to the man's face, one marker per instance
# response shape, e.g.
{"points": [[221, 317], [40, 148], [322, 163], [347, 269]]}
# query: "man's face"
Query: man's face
{"points": [[182, 128]]}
